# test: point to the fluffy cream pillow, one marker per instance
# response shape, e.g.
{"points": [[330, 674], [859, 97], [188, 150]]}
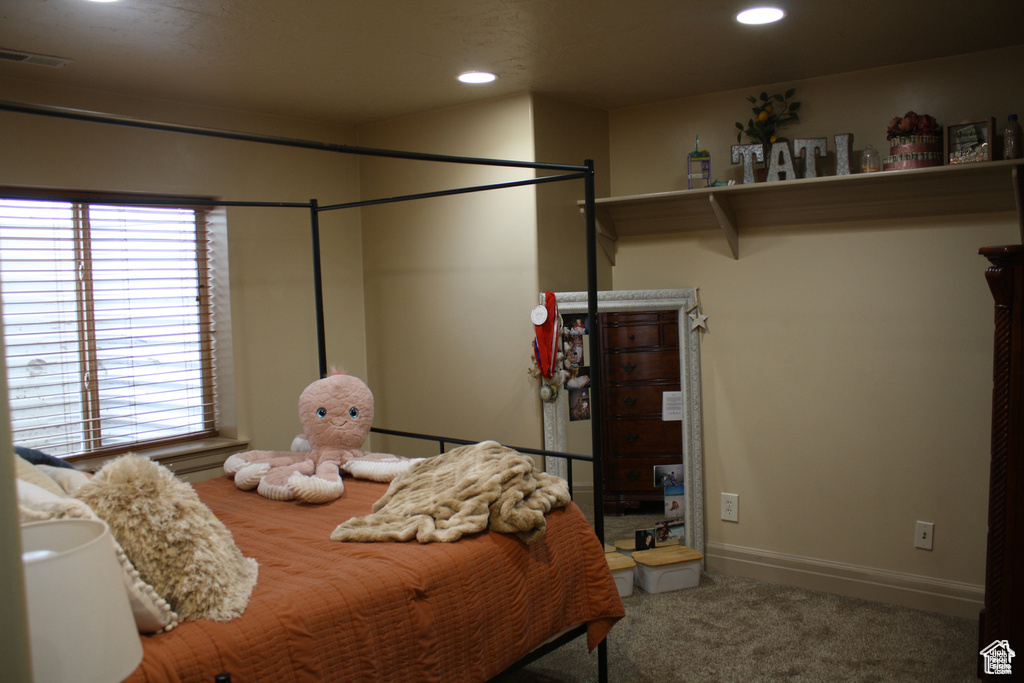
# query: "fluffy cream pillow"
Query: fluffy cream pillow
{"points": [[35, 503], [172, 538]]}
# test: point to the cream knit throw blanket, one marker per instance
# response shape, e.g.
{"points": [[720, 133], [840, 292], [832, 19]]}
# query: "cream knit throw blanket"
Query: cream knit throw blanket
{"points": [[463, 491]]}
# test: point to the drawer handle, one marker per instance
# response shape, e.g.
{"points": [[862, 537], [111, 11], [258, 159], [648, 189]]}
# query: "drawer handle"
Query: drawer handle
{"points": [[629, 400], [632, 436], [630, 336], [629, 367], [632, 475]]}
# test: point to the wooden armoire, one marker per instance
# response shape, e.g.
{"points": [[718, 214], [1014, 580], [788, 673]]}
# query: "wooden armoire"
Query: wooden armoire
{"points": [[639, 362], [1002, 618]]}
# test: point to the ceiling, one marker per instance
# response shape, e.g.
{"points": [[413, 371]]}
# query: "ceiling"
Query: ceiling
{"points": [[358, 61]]}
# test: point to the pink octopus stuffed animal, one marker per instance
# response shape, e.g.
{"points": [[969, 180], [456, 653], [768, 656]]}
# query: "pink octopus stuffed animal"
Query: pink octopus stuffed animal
{"points": [[336, 414]]}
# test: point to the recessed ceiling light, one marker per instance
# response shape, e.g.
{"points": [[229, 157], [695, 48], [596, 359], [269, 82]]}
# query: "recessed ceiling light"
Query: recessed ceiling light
{"points": [[477, 77], [760, 15]]}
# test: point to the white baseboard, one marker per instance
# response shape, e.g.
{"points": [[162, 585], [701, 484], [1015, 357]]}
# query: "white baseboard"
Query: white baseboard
{"points": [[909, 590], [583, 495]]}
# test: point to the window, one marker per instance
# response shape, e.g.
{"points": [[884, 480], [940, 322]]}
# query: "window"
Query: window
{"points": [[106, 310]]}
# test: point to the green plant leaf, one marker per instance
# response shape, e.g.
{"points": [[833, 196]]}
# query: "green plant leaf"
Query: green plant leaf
{"points": [[790, 93], [764, 97], [752, 99]]}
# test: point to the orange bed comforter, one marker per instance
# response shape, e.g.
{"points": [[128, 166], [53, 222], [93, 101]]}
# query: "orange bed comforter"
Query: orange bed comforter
{"points": [[328, 611]]}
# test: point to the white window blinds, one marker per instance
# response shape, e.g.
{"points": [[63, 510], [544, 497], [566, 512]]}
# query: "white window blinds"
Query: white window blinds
{"points": [[107, 325]]}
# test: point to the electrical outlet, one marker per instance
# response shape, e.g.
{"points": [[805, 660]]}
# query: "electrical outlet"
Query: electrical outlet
{"points": [[923, 532], [731, 507]]}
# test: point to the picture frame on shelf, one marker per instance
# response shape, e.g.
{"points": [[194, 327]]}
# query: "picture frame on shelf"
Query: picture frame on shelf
{"points": [[970, 141]]}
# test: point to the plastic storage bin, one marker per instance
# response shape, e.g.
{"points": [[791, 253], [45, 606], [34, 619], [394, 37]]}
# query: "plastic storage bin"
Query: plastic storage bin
{"points": [[667, 569], [622, 567]]}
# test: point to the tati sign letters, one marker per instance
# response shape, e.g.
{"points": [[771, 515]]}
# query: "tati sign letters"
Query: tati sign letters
{"points": [[780, 160]]}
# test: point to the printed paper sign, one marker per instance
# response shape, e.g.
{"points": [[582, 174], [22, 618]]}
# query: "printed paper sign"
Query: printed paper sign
{"points": [[671, 406]]}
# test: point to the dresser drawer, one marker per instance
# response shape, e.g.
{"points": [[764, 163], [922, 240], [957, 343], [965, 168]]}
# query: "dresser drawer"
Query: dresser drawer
{"points": [[631, 336], [642, 366], [644, 436], [626, 317], [660, 331], [637, 400], [634, 474]]}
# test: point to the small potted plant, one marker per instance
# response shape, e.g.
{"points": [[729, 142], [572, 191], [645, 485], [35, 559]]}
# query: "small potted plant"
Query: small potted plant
{"points": [[771, 112]]}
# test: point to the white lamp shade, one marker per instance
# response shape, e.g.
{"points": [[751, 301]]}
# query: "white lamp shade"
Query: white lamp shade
{"points": [[80, 621]]}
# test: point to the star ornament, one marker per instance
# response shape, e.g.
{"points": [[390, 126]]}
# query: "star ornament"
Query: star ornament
{"points": [[698, 319]]}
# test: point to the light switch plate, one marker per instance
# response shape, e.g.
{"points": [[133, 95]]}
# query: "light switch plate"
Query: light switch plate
{"points": [[923, 532]]}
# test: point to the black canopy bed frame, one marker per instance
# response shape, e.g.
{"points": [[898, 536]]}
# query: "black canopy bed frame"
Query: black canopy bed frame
{"points": [[565, 172]]}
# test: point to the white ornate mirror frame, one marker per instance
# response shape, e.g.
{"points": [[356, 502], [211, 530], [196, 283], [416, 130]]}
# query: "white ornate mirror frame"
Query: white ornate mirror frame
{"points": [[556, 412]]}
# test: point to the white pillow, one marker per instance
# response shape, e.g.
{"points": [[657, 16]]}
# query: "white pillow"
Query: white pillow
{"points": [[26, 471], [67, 479], [36, 504]]}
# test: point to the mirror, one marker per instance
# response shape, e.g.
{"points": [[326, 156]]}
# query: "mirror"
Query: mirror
{"points": [[563, 434]]}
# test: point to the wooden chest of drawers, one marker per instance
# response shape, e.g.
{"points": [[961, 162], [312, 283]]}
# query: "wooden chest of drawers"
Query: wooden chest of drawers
{"points": [[639, 362]]}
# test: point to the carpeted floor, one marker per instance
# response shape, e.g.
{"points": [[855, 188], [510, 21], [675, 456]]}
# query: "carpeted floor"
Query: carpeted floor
{"points": [[734, 629]]}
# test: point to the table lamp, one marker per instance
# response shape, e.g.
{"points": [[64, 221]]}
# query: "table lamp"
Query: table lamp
{"points": [[81, 626]]}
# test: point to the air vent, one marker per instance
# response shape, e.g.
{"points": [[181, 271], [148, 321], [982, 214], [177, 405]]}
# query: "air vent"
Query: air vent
{"points": [[31, 58]]}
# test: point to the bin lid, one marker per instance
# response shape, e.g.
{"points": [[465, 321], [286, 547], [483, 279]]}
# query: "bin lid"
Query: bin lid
{"points": [[667, 555], [618, 561]]}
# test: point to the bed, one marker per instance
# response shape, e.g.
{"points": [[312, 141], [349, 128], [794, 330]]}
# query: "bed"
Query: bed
{"points": [[329, 611], [324, 610]]}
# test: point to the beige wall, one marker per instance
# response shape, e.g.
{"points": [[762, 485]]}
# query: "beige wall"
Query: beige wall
{"points": [[649, 144], [450, 281], [566, 133], [846, 367], [272, 331], [570, 133]]}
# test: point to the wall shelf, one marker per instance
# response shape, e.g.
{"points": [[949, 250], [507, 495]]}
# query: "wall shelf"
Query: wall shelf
{"points": [[965, 189]]}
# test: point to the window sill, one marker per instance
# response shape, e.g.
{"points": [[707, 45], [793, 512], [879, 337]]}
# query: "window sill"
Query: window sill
{"points": [[192, 460]]}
